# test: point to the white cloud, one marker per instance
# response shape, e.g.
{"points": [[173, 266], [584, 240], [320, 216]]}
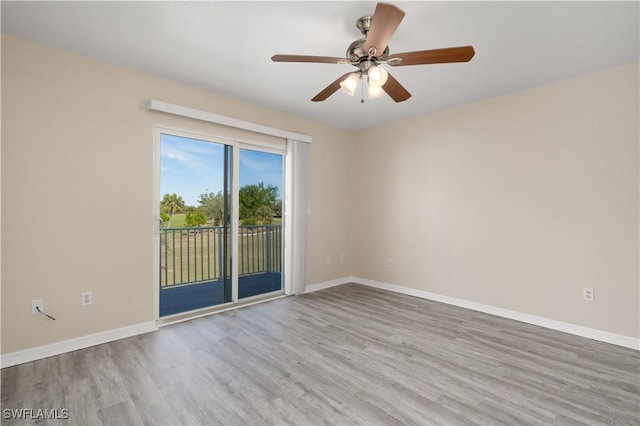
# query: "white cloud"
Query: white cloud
{"points": [[196, 157]]}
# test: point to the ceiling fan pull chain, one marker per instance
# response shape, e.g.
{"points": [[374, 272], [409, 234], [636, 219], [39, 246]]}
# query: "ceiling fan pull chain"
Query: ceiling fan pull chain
{"points": [[362, 91]]}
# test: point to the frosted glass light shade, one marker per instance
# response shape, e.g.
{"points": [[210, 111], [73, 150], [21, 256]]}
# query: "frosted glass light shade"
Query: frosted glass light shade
{"points": [[350, 83], [377, 76], [374, 91]]}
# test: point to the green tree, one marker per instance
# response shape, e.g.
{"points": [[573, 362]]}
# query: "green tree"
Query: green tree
{"points": [[254, 196], [172, 204], [195, 218], [265, 214], [212, 205], [164, 217]]}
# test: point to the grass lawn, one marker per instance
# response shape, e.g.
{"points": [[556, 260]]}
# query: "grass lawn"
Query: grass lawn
{"points": [[179, 220], [194, 254]]}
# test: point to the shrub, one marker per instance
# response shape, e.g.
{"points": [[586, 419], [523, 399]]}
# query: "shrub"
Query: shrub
{"points": [[195, 218]]}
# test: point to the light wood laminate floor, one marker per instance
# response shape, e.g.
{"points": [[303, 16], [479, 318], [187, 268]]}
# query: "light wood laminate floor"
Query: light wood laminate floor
{"points": [[346, 355]]}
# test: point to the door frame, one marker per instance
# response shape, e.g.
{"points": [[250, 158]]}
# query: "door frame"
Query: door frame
{"points": [[236, 145]]}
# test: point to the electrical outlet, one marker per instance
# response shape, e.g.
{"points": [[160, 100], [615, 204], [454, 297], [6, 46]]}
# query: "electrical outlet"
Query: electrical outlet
{"points": [[87, 298], [37, 303], [588, 294], [389, 263], [329, 260]]}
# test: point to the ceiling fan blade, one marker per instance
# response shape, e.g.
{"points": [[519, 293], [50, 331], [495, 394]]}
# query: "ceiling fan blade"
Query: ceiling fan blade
{"points": [[384, 23], [435, 56], [305, 58], [330, 89], [395, 90]]}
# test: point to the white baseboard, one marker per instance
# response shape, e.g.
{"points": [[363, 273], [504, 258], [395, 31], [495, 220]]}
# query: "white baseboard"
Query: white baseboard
{"points": [[327, 284], [590, 333], [32, 354]]}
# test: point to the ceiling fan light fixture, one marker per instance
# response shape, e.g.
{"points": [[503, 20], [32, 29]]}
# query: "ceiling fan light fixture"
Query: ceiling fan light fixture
{"points": [[377, 76], [367, 53], [374, 92], [350, 83]]}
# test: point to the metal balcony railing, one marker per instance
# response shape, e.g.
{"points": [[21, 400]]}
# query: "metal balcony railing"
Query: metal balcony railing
{"points": [[192, 255]]}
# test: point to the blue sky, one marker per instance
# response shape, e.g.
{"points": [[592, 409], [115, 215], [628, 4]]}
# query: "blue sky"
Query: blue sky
{"points": [[190, 167]]}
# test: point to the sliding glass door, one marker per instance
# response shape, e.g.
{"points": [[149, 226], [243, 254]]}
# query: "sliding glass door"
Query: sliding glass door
{"points": [[260, 233], [195, 223], [210, 253]]}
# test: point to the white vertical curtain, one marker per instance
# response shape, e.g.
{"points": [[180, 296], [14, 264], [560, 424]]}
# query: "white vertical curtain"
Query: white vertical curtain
{"points": [[296, 214]]}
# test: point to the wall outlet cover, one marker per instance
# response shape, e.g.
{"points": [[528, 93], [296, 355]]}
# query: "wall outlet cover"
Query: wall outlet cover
{"points": [[37, 303], [588, 294], [87, 298]]}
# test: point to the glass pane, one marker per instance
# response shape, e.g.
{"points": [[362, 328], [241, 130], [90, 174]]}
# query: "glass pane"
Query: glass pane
{"points": [[194, 239], [260, 231]]}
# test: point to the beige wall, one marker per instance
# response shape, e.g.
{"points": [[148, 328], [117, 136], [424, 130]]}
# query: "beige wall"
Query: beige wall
{"points": [[517, 202], [77, 187]]}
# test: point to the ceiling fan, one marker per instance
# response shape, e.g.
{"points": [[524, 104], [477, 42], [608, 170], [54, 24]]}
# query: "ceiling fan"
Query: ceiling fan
{"points": [[368, 53]]}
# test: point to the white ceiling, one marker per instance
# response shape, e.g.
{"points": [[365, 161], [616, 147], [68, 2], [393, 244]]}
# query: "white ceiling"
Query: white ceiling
{"points": [[226, 47]]}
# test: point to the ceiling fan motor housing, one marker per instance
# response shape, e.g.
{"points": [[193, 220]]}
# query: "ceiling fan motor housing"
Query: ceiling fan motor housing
{"points": [[356, 53]]}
